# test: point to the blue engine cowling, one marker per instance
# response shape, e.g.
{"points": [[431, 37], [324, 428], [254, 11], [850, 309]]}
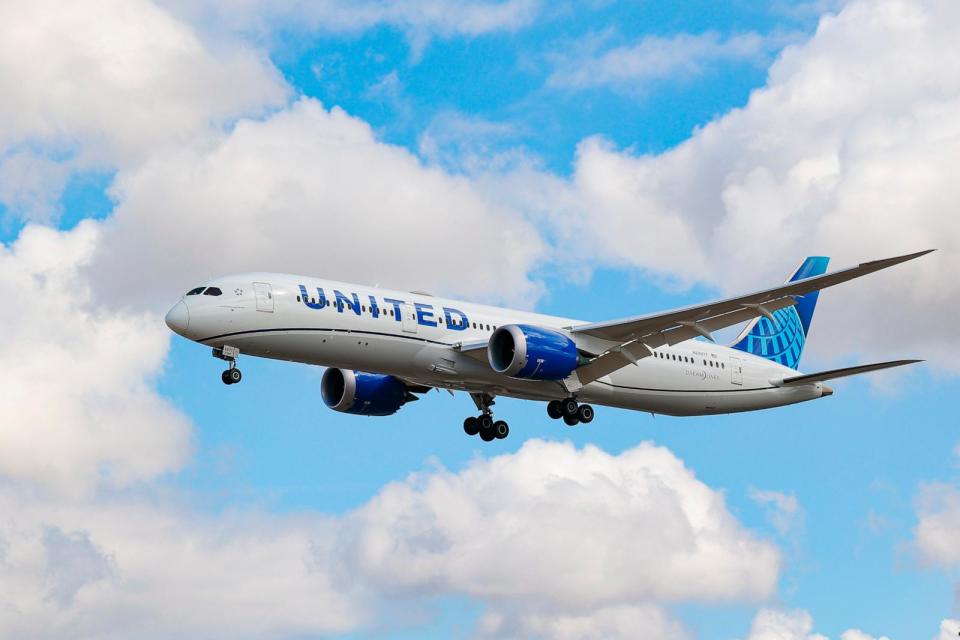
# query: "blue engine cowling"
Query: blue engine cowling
{"points": [[533, 353], [362, 394]]}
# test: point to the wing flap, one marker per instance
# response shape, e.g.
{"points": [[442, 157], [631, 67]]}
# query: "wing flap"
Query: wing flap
{"points": [[630, 352], [844, 372]]}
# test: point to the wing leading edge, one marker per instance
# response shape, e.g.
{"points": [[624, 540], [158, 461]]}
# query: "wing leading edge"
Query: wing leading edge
{"points": [[637, 336]]}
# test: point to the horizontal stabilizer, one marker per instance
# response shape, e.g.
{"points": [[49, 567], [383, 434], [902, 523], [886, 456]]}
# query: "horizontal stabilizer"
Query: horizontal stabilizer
{"points": [[842, 373]]}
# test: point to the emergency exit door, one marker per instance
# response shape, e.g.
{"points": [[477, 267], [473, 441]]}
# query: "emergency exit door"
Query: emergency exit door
{"points": [[264, 294]]}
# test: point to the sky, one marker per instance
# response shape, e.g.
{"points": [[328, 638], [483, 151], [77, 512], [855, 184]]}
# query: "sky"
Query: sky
{"points": [[591, 159]]}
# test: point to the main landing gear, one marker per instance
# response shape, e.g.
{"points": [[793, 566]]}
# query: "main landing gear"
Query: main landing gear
{"points": [[570, 411], [231, 375], [484, 424]]}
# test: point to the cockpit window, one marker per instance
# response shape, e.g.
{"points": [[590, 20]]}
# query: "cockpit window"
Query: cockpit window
{"points": [[213, 291], [195, 292]]}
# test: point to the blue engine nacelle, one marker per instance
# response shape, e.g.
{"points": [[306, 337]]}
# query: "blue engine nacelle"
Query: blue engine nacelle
{"points": [[533, 353], [362, 394]]}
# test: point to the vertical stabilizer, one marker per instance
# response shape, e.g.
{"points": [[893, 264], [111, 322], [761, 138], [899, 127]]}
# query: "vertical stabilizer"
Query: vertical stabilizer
{"points": [[783, 341]]}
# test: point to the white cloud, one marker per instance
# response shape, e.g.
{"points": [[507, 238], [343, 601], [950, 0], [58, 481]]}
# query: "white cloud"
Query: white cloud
{"points": [[561, 527], [30, 185], [939, 520], [856, 634], [772, 624], [777, 624], [116, 568], [78, 406], [847, 151], [628, 622], [557, 542], [783, 511], [310, 191], [633, 67], [104, 83]]}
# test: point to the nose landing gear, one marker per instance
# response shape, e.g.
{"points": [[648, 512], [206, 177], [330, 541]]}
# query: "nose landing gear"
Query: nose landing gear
{"points": [[570, 411], [484, 424], [231, 375]]}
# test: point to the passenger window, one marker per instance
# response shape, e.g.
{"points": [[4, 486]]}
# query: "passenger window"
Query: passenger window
{"points": [[213, 291], [194, 292], [298, 298]]}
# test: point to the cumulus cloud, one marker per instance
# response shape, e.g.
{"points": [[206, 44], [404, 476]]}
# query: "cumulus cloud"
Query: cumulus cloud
{"points": [[78, 404], [797, 624], [113, 568], [538, 505], [612, 623], [104, 83], [311, 190], [847, 151], [549, 538]]}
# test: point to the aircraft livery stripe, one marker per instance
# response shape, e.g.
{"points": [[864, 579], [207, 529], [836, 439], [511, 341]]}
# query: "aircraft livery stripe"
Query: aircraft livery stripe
{"points": [[370, 333]]}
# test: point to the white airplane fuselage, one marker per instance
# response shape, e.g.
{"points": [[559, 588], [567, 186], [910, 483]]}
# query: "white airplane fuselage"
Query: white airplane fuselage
{"points": [[415, 337]]}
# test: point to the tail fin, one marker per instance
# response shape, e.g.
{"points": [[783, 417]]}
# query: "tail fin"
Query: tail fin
{"points": [[783, 340]]}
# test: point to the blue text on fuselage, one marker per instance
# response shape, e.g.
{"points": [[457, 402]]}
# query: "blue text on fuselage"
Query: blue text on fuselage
{"points": [[456, 319]]}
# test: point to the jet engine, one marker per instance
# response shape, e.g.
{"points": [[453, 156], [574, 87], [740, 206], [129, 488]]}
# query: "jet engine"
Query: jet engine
{"points": [[363, 394], [533, 353]]}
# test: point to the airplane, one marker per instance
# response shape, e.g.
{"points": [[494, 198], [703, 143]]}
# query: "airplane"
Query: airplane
{"points": [[384, 348]]}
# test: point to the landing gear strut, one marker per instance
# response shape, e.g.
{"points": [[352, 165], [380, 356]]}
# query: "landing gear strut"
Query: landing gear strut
{"points": [[571, 411], [484, 424], [231, 375]]}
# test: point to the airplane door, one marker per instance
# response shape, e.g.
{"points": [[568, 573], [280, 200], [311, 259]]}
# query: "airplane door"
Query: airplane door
{"points": [[736, 370], [409, 318], [264, 296]]}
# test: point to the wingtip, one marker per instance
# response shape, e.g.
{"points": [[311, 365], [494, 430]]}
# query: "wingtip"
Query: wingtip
{"points": [[912, 256], [889, 262]]}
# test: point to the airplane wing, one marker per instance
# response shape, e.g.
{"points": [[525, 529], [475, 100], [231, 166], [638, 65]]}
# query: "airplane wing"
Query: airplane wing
{"points": [[842, 373], [637, 336]]}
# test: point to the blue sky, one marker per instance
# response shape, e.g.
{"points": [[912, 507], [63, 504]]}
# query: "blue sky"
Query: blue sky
{"points": [[500, 120]]}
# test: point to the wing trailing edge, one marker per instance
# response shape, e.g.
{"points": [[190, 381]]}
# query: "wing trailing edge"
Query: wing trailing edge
{"points": [[842, 373]]}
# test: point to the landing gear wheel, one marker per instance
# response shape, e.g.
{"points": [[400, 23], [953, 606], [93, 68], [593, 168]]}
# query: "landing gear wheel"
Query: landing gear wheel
{"points": [[569, 406], [585, 414], [471, 426], [555, 409], [225, 376], [233, 375], [571, 420], [487, 435], [486, 422], [500, 429]]}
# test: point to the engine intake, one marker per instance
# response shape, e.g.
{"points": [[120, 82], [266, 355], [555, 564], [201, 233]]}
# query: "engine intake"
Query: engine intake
{"points": [[533, 353], [363, 394]]}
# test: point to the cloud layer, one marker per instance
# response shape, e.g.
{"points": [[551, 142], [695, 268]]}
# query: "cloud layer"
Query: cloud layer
{"points": [[547, 538]]}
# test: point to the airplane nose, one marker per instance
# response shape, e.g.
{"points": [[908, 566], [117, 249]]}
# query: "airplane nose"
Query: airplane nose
{"points": [[178, 318]]}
